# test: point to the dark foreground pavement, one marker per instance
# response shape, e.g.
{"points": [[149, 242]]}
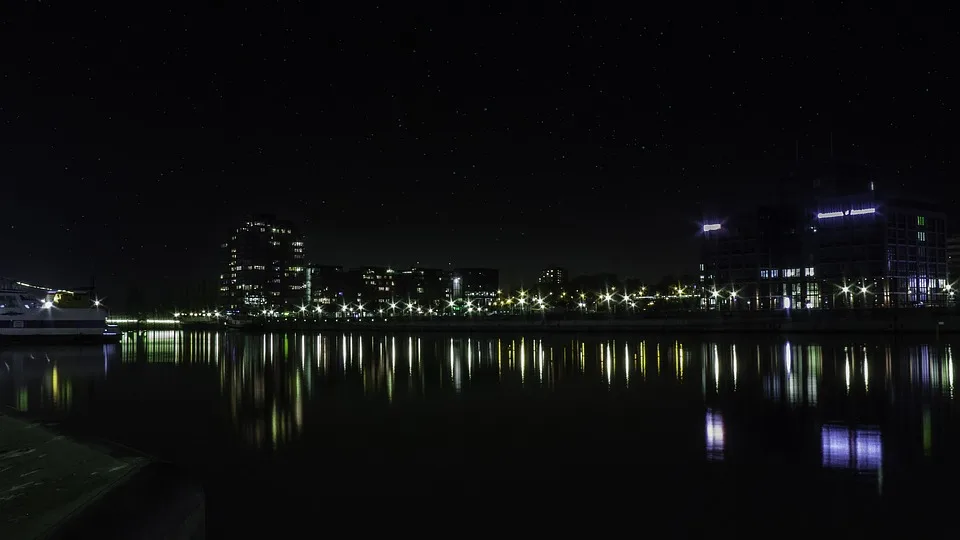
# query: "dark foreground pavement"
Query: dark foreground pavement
{"points": [[54, 487]]}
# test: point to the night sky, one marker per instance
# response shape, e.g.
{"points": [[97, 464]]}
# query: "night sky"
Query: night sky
{"points": [[132, 142]]}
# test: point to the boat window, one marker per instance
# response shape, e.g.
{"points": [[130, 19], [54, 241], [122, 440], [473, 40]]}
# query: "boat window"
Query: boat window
{"points": [[30, 302], [7, 301]]}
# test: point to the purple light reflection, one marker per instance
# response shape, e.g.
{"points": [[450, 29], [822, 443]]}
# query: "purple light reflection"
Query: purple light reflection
{"points": [[844, 448], [715, 435]]}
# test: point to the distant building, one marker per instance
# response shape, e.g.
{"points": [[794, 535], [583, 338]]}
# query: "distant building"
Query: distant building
{"points": [[479, 286], [373, 287], [264, 266], [845, 248], [553, 276], [326, 285], [425, 287]]}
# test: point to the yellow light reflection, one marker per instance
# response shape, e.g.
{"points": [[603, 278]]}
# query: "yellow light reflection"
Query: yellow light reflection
{"points": [[540, 360], [55, 383], [626, 365], [643, 359]]}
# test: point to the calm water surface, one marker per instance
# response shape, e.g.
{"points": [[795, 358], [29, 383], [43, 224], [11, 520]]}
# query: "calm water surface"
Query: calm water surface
{"points": [[848, 433]]}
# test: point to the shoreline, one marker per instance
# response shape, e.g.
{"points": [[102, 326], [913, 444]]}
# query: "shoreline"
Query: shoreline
{"points": [[833, 322]]}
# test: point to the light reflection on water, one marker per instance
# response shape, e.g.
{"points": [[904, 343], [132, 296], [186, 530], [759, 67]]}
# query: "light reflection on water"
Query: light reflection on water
{"points": [[273, 387]]}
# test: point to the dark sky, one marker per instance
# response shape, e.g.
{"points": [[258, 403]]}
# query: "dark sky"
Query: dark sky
{"points": [[130, 142]]}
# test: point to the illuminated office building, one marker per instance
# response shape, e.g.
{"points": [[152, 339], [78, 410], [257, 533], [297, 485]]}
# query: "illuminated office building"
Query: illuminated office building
{"points": [[839, 248], [264, 267]]}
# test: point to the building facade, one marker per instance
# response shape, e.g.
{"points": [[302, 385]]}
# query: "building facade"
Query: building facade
{"points": [[553, 277], [326, 285], [425, 287], [374, 287], [855, 250], [953, 258], [264, 267], [478, 286]]}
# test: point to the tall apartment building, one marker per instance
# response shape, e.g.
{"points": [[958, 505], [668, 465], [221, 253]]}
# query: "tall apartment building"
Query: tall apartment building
{"points": [[264, 267]]}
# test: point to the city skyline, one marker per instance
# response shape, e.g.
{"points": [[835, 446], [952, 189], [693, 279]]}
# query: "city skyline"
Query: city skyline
{"points": [[591, 142]]}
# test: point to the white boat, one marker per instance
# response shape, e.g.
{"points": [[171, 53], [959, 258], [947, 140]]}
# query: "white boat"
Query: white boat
{"points": [[24, 316]]}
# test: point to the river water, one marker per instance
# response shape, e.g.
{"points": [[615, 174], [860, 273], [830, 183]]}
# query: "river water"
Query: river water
{"points": [[848, 432]]}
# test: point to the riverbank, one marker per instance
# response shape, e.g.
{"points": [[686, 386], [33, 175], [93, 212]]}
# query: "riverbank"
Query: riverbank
{"points": [[919, 321]]}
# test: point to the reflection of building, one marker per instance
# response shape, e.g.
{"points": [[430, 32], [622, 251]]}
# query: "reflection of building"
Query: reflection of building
{"points": [[799, 379], [264, 266], [477, 285], [265, 397], [845, 448], [715, 435], [853, 248]]}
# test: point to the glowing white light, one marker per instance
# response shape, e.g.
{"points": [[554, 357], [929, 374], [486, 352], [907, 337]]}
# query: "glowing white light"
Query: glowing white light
{"points": [[854, 212], [47, 305], [711, 227]]}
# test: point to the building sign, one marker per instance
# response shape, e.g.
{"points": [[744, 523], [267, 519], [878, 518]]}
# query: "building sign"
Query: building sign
{"points": [[845, 213]]}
